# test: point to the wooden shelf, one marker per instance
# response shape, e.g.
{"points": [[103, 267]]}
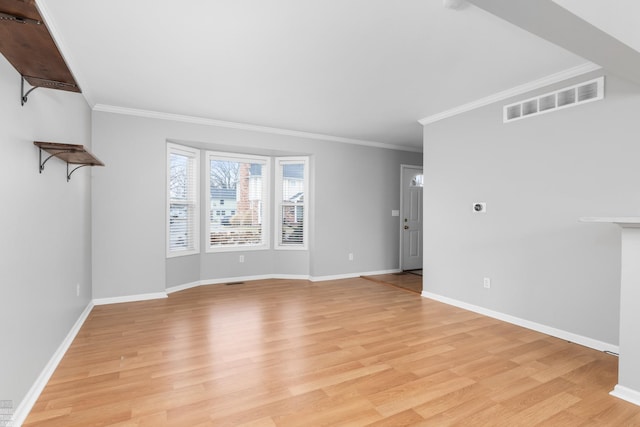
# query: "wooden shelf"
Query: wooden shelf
{"points": [[72, 154], [27, 44]]}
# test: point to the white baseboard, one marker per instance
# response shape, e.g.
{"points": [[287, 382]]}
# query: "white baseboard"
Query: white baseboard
{"points": [[129, 298], [291, 277], [24, 407], [224, 280], [558, 333], [374, 273], [195, 284], [352, 275], [252, 278], [183, 287], [624, 393]]}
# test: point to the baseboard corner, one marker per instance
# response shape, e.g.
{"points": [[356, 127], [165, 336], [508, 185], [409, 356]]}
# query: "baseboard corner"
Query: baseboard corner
{"points": [[625, 393], [538, 327], [25, 406], [129, 298]]}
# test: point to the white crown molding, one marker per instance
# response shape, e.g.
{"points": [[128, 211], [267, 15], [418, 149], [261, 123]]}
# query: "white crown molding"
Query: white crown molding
{"points": [[514, 91], [247, 127], [547, 330], [25, 406]]}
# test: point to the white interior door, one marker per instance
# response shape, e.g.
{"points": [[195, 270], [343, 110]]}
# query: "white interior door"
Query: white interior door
{"points": [[411, 218]]}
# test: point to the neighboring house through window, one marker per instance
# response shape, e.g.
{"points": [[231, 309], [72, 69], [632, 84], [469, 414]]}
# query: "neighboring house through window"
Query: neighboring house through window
{"points": [[292, 188], [238, 203], [240, 183], [222, 205]]}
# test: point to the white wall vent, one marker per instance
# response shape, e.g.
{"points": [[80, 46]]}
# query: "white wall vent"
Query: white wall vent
{"points": [[593, 90]]}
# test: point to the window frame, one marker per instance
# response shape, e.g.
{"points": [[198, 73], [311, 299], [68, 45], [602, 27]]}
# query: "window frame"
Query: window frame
{"points": [[265, 161], [279, 203], [194, 156]]}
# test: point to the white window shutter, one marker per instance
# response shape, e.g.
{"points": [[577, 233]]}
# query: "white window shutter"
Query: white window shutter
{"points": [[292, 198], [183, 195], [237, 202]]}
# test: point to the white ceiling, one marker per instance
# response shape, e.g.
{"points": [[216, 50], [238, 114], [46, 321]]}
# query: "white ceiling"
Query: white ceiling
{"points": [[619, 18], [365, 70]]}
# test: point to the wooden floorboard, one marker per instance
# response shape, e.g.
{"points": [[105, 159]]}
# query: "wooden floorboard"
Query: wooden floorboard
{"points": [[340, 353], [404, 280]]}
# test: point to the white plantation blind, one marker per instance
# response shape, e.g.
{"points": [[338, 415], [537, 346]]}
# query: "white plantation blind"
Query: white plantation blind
{"points": [[238, 202], [292, 188], [183, 209]]}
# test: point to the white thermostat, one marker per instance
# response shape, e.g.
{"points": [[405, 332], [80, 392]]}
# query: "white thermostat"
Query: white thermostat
{"points": [[480, 207]]}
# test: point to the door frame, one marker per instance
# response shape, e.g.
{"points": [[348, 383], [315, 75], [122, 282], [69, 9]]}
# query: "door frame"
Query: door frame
{"points": [[404, 167]]}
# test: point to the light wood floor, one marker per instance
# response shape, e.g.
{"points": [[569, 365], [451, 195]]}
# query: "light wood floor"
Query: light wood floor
{"points": [[407, 281], [347, 352]]}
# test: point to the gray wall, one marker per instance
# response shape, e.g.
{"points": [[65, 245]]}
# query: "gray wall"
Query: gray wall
{"points": [[45, 249], [538, 176], [354, 189]]}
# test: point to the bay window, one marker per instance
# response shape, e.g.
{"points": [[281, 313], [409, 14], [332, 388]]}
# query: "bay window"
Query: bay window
{"points": [[292, 189], [238, 206], [183, 195], [237, 202]]}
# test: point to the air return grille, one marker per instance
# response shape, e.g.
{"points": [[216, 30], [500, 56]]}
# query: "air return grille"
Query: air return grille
{"points": [[592, 90]]}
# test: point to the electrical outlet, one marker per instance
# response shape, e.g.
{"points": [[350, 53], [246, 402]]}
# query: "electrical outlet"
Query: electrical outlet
{"points": [[487, 282], [77, 289], [350, 257], [241, 258]]}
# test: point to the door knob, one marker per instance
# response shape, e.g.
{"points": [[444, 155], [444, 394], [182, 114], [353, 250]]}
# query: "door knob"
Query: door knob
{"points": [[406, 227]]}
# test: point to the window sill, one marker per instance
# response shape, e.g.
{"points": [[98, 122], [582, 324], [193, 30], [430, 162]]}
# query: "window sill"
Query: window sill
{"points": [[237, 249], [182, 253], [291, 248]]}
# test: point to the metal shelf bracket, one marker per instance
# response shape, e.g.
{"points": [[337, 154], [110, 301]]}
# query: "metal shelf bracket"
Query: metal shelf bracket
{"points": [[42, 163], [50, 84], [74, 155], [73, 170], [23, 96]]}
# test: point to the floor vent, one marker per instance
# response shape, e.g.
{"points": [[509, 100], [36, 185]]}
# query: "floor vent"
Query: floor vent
{"points": [[234, 283], [592, 90]]}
